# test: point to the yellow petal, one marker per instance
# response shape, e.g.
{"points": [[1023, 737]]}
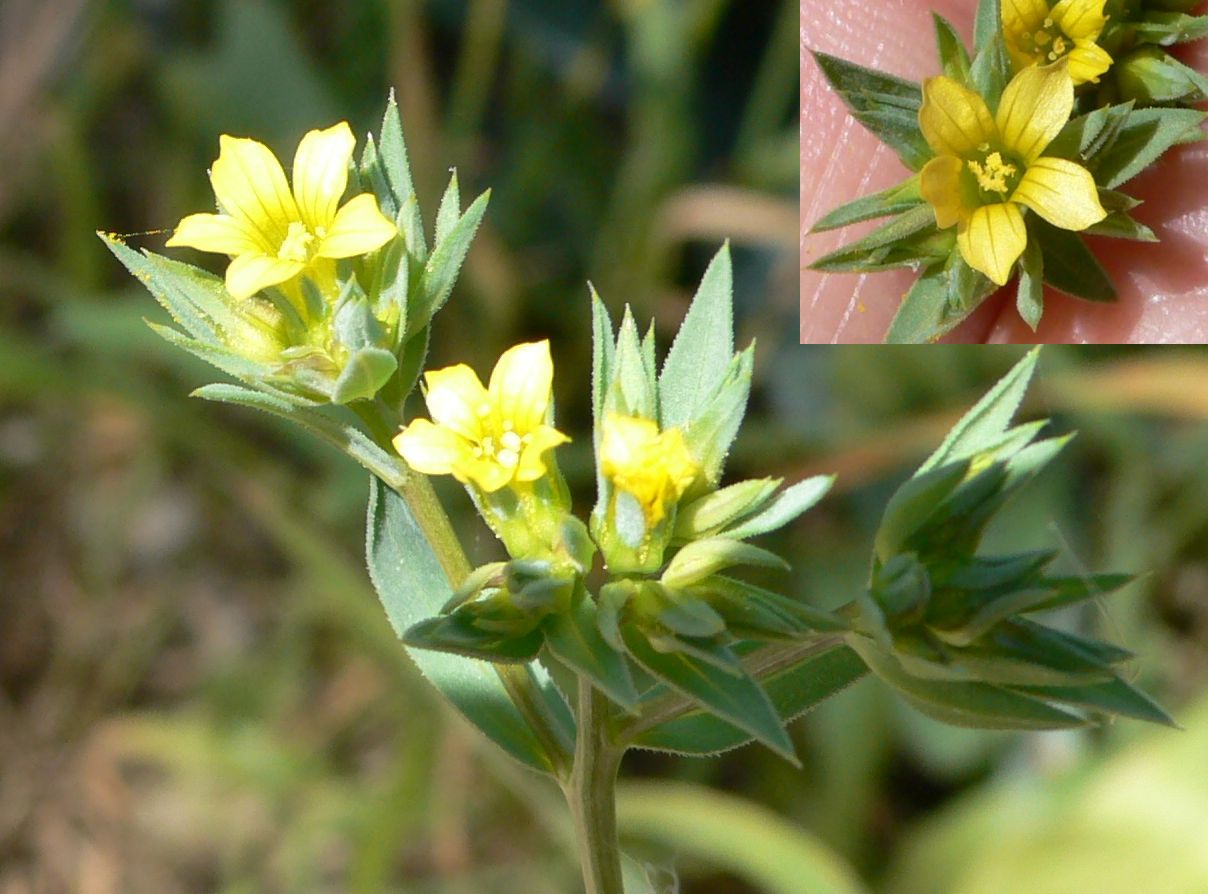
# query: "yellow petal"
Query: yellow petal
{"points": [[217, 233], [1088, 61], [1022, 17], [681, 469], [250, 186], [430, 449], [1080, 19], [520, 385], [358, 227], [1061, 192], [248, 274], [532, 458], [623, 441], [486, 474], [940, 184], [1034, 107], [993, 240], [457, 400], [321, 173], [954, 119]]}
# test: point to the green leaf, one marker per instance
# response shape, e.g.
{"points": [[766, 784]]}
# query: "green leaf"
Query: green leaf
{"points": [[411, 363], [709, 514], [916, 501], [363, 375], [575, 640], [1121, 225], [710, 435], [987, 421], [458, 635], [737, 699], [687, 616], [700, 356], [1152, 76], [722, 830], [977, 705], [752, 612], [921, 315], [392, 155], [953, 55], [450, 209], [873, 248], [886, 105], [787, 506], [632, 391], [603, 362], [1115, 696], [1072, 590], [1069, 265], [1029, 297], [794, 690], [412, 586], [702, 558], [991, 70], [1169, 28], [223, 358], [1143, 138], [894, 200], [443, 266]]}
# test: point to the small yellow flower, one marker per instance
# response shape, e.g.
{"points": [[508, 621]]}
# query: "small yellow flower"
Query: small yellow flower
{"points": [[988, 169], [654, 467], [1040, 33], [274, 234], [488, 437]]}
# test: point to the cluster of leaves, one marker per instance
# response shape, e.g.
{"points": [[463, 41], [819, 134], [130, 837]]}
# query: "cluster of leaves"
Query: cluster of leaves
{"points": [[369, 343], [1114, 141], [952, 631], [1137, 36]]}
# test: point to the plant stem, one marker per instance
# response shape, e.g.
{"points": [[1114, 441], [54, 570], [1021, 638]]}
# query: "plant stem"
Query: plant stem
{"points": [[591, 793]]}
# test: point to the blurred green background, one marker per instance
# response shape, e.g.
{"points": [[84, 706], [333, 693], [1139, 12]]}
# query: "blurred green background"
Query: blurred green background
{"points": [[198, 689]]}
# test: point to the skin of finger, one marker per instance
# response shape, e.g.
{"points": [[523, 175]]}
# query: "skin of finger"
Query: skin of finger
{"points": [[1163, 287], [841, 161]]}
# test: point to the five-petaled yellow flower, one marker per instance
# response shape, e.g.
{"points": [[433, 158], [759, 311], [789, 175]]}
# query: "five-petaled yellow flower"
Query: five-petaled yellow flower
{"points": [[989, 168], [653, 467], [274, 234], [1038, 32], [487, 437]]}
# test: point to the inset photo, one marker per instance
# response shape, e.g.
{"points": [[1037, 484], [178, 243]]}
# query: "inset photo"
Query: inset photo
{"points": [[1004, 171]]}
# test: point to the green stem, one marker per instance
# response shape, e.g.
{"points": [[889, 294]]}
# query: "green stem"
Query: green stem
{"points": [[591, 793]]}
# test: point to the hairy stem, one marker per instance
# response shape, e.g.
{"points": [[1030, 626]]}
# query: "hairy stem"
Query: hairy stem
{"points": [[591, 793]]}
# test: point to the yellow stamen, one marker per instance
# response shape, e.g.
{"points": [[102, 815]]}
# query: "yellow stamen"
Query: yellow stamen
{"points": [[296, 245], [994, 174]]}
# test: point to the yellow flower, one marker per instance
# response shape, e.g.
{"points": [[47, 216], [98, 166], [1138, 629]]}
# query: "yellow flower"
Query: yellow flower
{"points": [[654, 468], [488, 437], [988, 169], [1036, 33], [274, 234]]}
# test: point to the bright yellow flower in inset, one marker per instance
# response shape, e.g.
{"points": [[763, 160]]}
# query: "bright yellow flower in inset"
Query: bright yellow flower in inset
{"points": [[488, 437], [654, 467], [1038, 34], [988, 169], [274, 234]]}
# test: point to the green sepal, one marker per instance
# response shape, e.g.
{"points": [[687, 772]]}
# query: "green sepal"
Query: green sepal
{"points": [[1072, 590], [794, 690], [901, 242], [785, 507], [633, 391], [1113, 697], [894, 200], [914, 503], [736, 699], [1166, 28], [954, 58], [1068, 265], [456, 634], [363, 375], [450, 209], [718, 509], [1151, 76], [387, 164], [1087, 135], [444, 264], [685, 615], [970, 704], [1029, 295], [710, 434], [887, 106], [702, 558], [1144, 137], [947, 291], [991, 69], [986, 23], [574, 639]]}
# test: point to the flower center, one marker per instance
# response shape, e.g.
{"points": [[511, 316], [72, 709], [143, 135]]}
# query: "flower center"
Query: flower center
{"points": [[503, 447], [992, 173], [1049, 42], [296, 245]]}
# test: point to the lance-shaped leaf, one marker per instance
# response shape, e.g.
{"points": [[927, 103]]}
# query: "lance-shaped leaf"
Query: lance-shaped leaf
{"points": [[737, 699], [877, 246], [458, 635], [702, 558], [1167, 28], [1029, 296], [786, 507], [886, 105], [953, 55], [895, 200], [574, 638], [395, 169], [444, 264], [752, 612], [1144, 137], [916, 501], [1068, 264], [794, 688], [1115, 696]]}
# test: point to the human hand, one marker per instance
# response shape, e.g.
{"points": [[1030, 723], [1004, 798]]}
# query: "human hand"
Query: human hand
{"points": [[1163, 287]]}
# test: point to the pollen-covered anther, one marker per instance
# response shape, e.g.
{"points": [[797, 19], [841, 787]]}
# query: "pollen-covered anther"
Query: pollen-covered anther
{"points": [[993, 176]]}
